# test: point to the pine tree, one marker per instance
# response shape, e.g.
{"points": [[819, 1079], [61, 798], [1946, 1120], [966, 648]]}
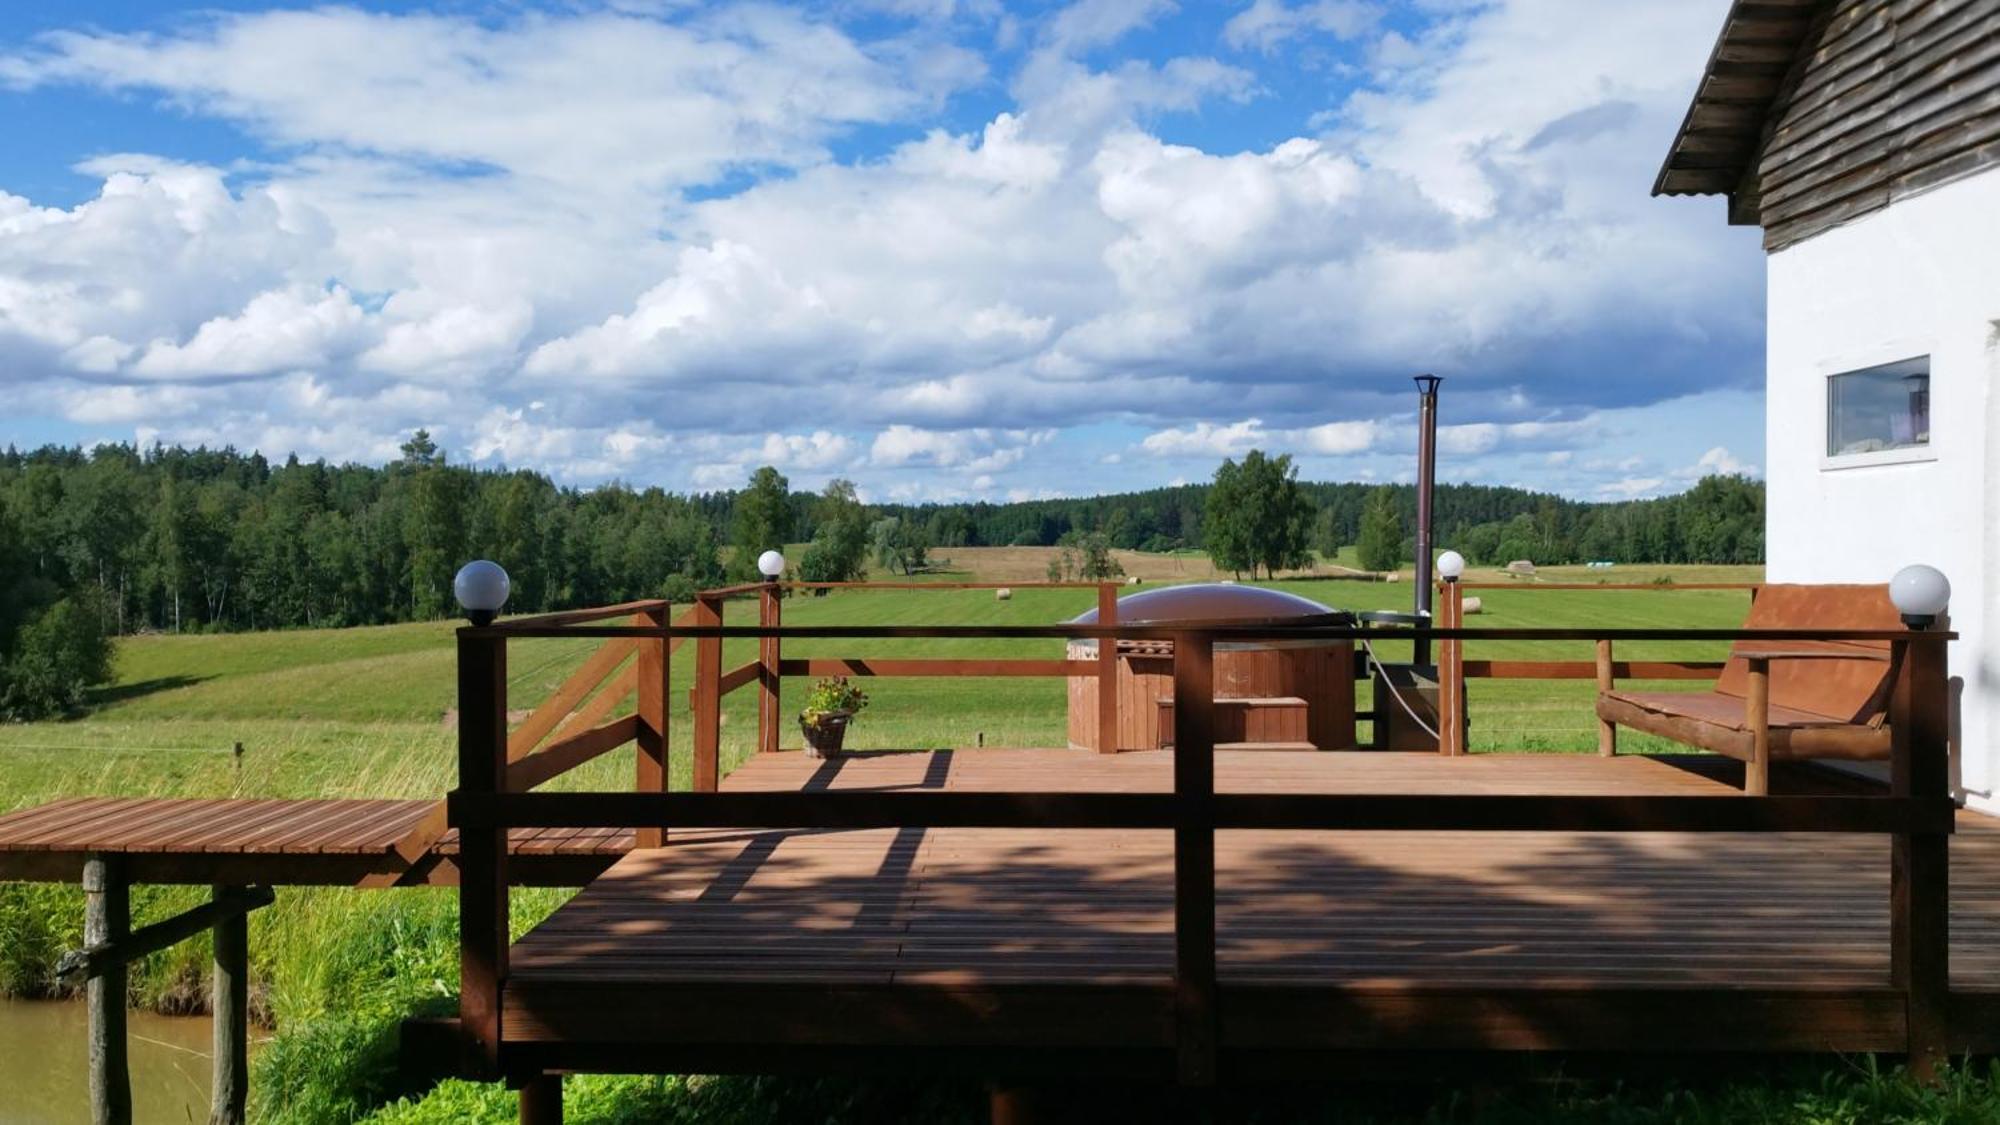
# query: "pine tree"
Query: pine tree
{"points": [[1380, 543]]}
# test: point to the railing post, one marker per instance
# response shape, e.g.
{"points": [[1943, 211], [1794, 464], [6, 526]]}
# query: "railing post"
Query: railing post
{"points": [[1107, 671], [1194, 858], [482, 852], [654, 668], [1461, 715], [1607, 731], [707, 696], [1920, 863], [769, 613], [1449, 672]]}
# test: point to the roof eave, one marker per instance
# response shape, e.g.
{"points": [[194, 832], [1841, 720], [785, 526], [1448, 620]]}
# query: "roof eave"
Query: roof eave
{"points": [[1716, 147]]}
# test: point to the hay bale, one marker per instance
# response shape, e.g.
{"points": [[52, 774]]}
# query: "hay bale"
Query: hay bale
{"points": [[1471, 605], [1003, 594], [1521, 567]]}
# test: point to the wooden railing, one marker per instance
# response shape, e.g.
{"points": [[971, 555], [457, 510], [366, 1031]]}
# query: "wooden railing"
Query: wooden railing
{"points": [[713, 683], [771, 667], [1917, 812]]}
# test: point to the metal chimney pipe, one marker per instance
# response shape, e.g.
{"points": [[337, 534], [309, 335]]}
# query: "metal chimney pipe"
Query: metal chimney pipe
{"points": [[1427, 421]]}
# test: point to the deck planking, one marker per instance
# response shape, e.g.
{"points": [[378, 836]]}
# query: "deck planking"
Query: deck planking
{"points": [[272, 841], [928, 937]]}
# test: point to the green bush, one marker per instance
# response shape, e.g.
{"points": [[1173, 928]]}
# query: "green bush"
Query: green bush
{"points": [[56, 658]]}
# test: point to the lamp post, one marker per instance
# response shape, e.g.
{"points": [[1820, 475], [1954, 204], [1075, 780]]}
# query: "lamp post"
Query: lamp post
{"points": [[481, 587], [1427, 405], [770, 564], [1451, 684], [1921, 593]]}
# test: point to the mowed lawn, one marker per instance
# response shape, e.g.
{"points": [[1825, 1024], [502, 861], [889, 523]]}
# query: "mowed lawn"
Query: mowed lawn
{"points": [[367, 711]]}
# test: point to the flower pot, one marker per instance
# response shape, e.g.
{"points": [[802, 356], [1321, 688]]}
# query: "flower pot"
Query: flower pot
{"points": [[823, 737]]}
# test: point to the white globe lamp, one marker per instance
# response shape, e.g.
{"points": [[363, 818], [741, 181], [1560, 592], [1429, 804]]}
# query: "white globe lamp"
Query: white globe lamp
{"points": [[771, 564], [481, 588], [1921, 593], [1450, 565]]}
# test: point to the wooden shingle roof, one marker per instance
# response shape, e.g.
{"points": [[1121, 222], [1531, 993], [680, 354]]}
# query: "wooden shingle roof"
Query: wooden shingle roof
{"points": [[1719, 140]]}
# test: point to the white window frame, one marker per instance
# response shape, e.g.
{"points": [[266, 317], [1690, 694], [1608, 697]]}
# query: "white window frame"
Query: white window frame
{"points": [[1853, 363]]}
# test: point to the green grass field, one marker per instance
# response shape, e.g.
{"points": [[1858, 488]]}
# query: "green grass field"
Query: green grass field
{"points": [[364, 712]]}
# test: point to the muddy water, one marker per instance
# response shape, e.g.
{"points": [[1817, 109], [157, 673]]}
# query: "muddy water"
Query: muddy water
{"points": [[44, 1072]]}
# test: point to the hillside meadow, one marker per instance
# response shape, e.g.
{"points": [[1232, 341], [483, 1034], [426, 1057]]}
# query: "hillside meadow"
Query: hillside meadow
{"points": [[368, 712]]}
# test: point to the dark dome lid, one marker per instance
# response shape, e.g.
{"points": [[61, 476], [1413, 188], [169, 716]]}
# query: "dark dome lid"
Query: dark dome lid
{"points": [[1209, 602]]}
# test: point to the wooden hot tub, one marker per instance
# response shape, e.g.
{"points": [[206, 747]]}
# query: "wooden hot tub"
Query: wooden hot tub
{"points": [[1277, 696]]}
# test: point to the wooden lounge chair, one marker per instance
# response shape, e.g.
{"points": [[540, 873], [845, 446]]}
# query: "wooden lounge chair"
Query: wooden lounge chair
{"points": [[1776, 701]]}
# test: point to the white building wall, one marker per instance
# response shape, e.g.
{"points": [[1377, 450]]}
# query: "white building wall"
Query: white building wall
{"points": [[1919, 278]]}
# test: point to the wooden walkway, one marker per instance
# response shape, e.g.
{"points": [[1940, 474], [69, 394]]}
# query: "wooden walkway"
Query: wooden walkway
{"points": [[273, 842], [946, 937]]}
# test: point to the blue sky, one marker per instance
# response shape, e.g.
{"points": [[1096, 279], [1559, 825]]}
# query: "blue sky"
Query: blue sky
{"points": [[946, 248]]}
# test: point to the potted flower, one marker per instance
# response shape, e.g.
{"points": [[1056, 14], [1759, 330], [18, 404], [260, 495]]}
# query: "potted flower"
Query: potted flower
{"points": [[830, 705]]}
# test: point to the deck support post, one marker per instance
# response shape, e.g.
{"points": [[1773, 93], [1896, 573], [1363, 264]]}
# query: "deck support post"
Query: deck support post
{"points": [[541, 1100], [1920, 863], [482, 880], [1011, 1104], [707, 696], [107, 919], [1107, 671], [653, 669], [1194, 859], [769, 615], [230, 1001]]}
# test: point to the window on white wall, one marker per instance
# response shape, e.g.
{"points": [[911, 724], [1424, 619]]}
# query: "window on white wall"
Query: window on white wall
{"points": [[1879, 409]]}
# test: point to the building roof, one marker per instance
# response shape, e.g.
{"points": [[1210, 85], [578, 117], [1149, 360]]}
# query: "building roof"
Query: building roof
{"points": [[1746, 75]]}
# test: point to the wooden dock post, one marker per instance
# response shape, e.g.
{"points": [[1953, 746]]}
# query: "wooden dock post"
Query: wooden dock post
{"points": [[654, 668], [768, 615], [1920, 863], [107, 919], [113, 945], [229, 1083], [482, 883], [1194, 859], [1107, 671], [707, 697]]}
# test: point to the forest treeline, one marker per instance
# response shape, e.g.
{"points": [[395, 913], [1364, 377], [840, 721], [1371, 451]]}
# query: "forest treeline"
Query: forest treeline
{"points": [[1719, 520], [186, 539]]}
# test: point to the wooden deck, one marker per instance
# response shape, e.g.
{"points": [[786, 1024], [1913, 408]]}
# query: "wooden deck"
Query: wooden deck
{"points": [[273, 842], [727, 948]]}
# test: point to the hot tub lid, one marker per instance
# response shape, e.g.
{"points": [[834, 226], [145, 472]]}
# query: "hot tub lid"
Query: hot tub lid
{"points": [[1217, 603]]}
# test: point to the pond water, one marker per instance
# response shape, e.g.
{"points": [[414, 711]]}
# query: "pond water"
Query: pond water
{"points": [[44, 1069]]}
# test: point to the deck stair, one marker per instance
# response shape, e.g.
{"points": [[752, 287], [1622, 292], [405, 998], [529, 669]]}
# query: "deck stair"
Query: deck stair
{"points": [[1276, 722]]}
